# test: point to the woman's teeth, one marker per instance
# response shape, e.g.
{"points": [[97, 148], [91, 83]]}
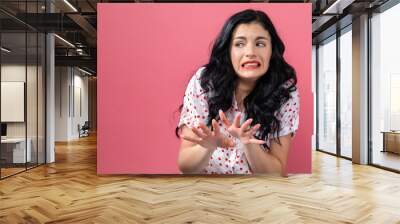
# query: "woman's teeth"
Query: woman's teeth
{"points": [[251, 65]]}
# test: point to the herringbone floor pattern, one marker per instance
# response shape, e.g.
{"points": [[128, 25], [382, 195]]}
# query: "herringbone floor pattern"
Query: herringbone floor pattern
{"points": [[69, 191]]}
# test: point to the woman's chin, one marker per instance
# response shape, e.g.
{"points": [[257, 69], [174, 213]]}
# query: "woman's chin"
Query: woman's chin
{"points": [[250, 75]]}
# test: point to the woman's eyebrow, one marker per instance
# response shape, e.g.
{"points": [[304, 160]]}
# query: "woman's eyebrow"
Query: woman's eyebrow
{"points": [[240, 37], [262, 38], [257, 38]]}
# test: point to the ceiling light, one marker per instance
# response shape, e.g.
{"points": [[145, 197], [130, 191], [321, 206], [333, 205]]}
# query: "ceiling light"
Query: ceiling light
{"points": [[64, 40], [5, 50], [337, 7], [71, 6], [84, 71]]}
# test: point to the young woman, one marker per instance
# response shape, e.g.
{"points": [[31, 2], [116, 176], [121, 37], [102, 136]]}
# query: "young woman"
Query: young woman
{"points": [[240, 110]]}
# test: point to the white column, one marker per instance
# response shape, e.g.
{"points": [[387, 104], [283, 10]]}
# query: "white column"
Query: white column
{"points": [[50, 93], [360, 90], [50, 110]]}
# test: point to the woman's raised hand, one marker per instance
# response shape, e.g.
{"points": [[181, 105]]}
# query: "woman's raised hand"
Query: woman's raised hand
{"points": [[209, 139], [244, 133]]}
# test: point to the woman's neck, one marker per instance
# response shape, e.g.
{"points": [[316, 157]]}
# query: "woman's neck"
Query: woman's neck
{"points": [[242, 90]]}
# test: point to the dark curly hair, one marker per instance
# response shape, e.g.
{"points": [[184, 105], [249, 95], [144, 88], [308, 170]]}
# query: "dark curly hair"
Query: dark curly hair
{"points": [[269, 94]]}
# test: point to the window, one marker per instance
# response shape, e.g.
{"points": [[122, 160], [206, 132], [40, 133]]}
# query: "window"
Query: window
{"points": [[327, 96], [385, 89], [346, 75]]}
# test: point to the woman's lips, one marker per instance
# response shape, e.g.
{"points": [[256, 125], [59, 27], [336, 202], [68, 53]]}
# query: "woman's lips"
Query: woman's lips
{"points": [[250, 65]]}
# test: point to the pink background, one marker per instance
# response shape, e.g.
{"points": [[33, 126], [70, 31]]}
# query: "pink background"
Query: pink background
{"points": [[146, 55]]}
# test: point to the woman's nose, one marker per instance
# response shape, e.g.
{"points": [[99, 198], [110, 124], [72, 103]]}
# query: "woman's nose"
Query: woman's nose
{"points": [[250, 51]]}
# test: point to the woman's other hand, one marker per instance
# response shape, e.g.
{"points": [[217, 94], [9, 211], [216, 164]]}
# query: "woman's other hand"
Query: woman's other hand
{"points": [[207, 138], [243, 132]]}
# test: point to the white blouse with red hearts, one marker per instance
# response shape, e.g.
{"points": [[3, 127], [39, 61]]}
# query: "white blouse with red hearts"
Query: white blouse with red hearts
{"points": [[231, 160]]}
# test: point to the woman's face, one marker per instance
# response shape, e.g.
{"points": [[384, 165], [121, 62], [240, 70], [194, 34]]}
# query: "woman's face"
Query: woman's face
{"points": [[250, 51]]}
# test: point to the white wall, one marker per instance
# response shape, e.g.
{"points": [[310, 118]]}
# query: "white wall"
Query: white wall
{"points": [[81, 102], [13, 72], [71, 93], [61, 103]]}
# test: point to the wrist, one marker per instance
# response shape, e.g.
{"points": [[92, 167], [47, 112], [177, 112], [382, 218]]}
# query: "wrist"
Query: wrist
{"points": [[210, 148], [245, 142]]}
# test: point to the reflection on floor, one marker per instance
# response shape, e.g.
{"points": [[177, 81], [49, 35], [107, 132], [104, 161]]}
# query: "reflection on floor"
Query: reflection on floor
{"points": [[346, 152], [386, 159], [10, 169], [71, 191]]}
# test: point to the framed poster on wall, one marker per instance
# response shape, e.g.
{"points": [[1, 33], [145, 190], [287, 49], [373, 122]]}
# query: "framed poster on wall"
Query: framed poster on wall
{"points": [[12, 101]]}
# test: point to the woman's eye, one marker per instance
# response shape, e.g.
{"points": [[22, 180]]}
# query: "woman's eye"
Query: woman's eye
{"points": [[240, 44], [260, 44]]}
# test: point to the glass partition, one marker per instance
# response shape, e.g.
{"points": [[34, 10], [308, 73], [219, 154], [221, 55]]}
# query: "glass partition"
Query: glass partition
{"points": [[22, 77], [32, 95], [13, 103], [327, 96]]}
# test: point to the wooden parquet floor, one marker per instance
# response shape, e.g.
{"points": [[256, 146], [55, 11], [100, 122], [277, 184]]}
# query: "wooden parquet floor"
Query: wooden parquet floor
{"points": [[69, 191]]}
